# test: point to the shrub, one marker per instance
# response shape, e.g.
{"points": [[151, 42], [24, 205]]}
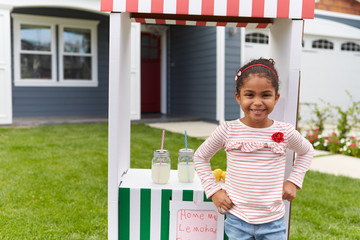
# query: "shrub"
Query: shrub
{"points": [[321, 114], [347, 119], [350, 114], [316, 139], [351, 147], [334, 143]]}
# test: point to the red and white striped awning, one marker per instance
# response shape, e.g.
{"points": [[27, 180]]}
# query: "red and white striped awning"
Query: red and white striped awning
{"points": [[201, 23], [235, 13], [196, 20]]}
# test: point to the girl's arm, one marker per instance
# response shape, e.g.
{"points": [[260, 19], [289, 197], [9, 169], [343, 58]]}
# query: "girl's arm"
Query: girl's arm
{"points": [[203, 155], [305, 152]]}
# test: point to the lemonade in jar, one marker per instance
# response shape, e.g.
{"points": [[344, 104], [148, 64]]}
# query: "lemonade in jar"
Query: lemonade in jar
{"points": [[160, 168], [186, 167]]}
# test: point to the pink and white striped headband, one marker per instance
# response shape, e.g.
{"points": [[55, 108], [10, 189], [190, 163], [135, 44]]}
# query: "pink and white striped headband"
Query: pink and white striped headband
{"points": [[254, 65]]}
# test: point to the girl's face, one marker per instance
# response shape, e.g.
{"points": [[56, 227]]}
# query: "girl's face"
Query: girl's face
{"points": [[257, 98]]}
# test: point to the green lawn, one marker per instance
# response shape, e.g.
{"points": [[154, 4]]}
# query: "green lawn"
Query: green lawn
{"points": [[53, 182], [328, 207]]}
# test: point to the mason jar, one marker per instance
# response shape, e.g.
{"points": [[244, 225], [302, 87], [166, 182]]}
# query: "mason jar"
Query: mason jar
{"points": [[160, 168], [186, 167]]}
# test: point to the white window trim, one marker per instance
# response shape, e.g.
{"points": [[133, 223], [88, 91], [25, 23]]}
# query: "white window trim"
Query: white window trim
{"points": [[17, 51], [346, 42], [93, 55], [57, 58], [260, 33], [251, 31], [334, 44]]}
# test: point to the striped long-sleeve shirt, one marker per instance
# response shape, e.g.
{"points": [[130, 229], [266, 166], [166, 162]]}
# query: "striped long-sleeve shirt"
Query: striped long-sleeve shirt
{"points": [[255, 167]]}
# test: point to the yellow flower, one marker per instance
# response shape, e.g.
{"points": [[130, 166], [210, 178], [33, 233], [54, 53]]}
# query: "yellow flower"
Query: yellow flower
{"points": [[223, 175], [217, 173]]}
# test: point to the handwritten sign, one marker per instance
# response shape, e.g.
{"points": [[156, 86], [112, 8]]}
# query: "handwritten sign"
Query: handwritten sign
{"points": [[190, 221], [194, 224]]}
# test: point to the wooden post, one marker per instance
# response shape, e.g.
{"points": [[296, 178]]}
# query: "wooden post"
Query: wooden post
{"points": [[119, 112], [6, 115], [285, 48]]}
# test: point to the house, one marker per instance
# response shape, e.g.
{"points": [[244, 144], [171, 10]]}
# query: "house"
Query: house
{"points": [[331, 54], [54, 61]]}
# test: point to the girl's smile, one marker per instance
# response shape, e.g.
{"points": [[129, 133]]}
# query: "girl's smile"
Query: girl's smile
{"points": [[257, 98]]}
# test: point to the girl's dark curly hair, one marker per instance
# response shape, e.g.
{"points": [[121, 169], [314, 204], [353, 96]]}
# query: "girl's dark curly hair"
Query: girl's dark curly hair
{"points": [[261, 70]]}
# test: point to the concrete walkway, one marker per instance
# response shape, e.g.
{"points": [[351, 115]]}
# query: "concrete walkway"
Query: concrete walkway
{"points": [[324, 162]]}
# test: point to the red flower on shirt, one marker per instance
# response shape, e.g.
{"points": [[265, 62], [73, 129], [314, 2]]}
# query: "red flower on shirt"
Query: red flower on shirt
{"points": [[278, 137]]}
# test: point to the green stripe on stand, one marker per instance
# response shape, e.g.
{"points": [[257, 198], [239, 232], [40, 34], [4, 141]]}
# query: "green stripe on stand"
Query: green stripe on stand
{"points": [[165, 213], [145, 207], [205, 199], [188, 195], [124, 213]]}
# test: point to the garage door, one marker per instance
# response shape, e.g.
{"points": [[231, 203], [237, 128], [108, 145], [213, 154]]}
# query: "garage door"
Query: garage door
{"points": [[330, 66], [330, 61]]}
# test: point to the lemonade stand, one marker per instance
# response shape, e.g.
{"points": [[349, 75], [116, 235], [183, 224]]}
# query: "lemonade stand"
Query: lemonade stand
{"points": [[138, 208]]}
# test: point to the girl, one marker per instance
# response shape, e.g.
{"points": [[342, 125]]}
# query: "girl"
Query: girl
{"points": [[255, 147]]}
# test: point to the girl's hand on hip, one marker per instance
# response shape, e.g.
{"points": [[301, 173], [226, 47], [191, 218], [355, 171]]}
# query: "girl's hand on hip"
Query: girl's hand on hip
{"points": [[222, 201], [289, 191]]}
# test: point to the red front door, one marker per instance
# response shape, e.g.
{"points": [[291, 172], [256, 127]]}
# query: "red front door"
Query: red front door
{"points": [[150, 73]]}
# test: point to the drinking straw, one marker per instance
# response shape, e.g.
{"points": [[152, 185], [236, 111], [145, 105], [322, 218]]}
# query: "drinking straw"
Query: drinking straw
{"points": [[187, 161], [162, 141], [162, 144]]}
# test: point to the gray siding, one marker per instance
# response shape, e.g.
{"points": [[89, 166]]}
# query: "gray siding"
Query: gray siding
{"points": [[67, 101], [192, 71], [232, 64], [350, 22]]}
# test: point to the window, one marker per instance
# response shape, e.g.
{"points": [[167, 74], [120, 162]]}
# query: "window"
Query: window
{"points": [[150, 46], [257, 38], [350, 46], [75, 54], [54, 51], [323, 44], [36, 52]]}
